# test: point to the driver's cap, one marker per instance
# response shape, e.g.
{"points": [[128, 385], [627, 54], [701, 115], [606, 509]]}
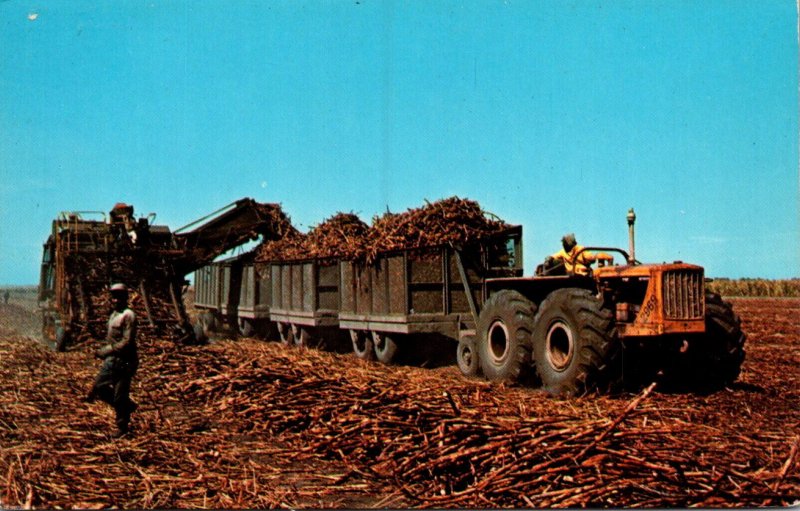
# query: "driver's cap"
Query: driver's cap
{"points": [[119, 287]]}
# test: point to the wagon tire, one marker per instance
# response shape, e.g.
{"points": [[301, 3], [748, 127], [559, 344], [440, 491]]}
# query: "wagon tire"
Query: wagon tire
{"points": [[385, 347], [575, 345], [362, 345], [285, 333], [467, 357], [246, 328], [301, 336], [505, 327]]}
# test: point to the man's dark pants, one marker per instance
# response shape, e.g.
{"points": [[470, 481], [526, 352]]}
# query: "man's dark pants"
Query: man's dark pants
{"points": [[113, 386]]}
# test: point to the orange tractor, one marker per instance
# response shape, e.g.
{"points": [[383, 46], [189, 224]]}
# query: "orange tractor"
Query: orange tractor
{"points": [[617, 323]]}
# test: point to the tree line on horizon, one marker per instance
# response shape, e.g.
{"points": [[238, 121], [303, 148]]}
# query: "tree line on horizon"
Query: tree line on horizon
{"points": [[755, 287]]}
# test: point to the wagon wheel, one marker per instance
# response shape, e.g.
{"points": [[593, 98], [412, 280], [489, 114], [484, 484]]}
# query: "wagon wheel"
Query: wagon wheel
{"points": [[246, 327], [269, 330], [467, 357], [286, 334], [362, 345], [301, 336], [385, 347]]}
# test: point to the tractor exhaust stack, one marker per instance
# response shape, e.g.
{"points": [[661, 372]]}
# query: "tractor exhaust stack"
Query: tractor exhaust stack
{"points": [[631, 242]]}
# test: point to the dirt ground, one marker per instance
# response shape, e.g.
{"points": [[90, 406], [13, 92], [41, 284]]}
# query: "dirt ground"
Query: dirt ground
{"points": [[252, 424]]}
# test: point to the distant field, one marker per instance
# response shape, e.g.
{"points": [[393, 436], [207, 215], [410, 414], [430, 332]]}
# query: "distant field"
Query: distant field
{"points": [[19, 294], [20, 290]]}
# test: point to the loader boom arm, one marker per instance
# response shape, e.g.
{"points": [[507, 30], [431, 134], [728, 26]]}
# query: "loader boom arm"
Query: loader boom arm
{"points": [[224, 229]]}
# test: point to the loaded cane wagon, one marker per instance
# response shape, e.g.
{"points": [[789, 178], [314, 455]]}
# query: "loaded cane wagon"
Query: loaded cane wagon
{"points": [[233, 295], [420, 291]]}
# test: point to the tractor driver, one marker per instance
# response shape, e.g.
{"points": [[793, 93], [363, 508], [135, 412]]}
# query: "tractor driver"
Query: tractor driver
{"points": [[575, 261]]}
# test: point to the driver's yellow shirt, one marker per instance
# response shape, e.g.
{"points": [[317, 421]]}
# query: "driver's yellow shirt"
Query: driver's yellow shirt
{"points": [[573, 261]]}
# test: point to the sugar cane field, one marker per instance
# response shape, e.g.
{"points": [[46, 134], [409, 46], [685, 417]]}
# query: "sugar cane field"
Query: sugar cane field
{"points": [[248, 423]]}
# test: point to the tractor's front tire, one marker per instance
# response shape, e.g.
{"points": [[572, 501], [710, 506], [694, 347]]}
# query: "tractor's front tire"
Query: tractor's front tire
{"points": [[714, 359], [575, 346], [724, 331], [505, 327]]}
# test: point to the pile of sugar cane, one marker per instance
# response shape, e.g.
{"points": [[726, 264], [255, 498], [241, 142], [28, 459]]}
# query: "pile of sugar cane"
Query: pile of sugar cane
{"points": [[452, 220]]}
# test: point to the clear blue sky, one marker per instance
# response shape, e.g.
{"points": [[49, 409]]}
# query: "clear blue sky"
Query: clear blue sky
{"points": [[557, 115]]}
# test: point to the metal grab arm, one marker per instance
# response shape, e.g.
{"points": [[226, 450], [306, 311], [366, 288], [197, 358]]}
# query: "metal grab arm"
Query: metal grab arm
{"points": [[470, 299]]}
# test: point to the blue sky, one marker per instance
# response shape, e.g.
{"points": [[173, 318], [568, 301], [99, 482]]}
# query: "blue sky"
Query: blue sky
{"points": [[556, 115]]}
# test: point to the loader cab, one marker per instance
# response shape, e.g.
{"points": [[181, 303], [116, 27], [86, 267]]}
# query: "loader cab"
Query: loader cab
{"points": [[503, 253]]}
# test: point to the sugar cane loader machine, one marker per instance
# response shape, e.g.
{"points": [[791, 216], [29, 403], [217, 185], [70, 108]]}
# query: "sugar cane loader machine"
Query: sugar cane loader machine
{"points": [[88, 251]]}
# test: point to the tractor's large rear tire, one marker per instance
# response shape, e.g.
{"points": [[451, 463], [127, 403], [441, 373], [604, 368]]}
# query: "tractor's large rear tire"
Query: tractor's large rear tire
{"points": [[575, 345], [505, 327]]}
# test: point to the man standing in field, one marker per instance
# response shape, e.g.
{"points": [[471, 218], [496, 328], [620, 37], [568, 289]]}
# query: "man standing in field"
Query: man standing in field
{"points": [[120, 360], [576, 260]]}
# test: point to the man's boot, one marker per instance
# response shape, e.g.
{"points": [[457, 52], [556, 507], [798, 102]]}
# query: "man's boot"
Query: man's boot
{"points": [[121, 432]]}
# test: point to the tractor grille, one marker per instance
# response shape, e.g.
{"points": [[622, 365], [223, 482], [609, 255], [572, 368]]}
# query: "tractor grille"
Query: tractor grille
{"points": [[683, 294]]}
